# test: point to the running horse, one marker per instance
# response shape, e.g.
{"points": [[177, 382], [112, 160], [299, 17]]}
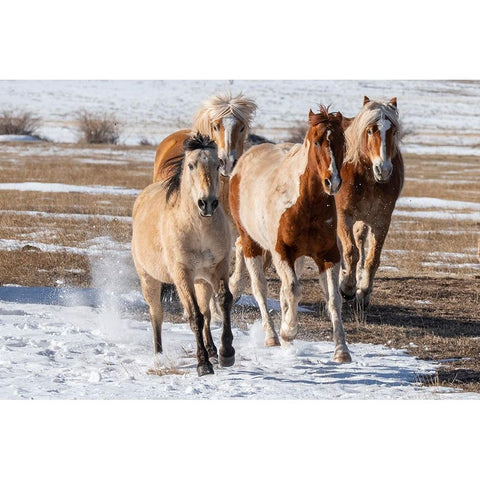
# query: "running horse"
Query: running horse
{"points": [[373, 175], [181, 236], [226, 120], [281, 198]]}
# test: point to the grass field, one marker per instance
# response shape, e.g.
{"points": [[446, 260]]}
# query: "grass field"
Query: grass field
{"points": [[427, 291]]}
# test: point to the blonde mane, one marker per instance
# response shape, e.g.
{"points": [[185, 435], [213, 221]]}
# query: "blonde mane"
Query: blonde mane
{"points": [[371, 112], [222, 105]]}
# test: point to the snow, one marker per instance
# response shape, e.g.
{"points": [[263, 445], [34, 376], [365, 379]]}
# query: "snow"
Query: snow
{"points": [[429, 202], [447, 209], [84, 344], [65, 188]]}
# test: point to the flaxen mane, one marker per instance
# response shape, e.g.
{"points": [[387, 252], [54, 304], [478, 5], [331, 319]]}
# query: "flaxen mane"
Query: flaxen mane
{"points": [[372, 112], [222, 105], [174, 165]]}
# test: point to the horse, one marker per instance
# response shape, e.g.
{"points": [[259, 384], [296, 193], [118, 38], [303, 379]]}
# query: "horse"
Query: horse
{"points": [[225, 119], [373, 176], [281, 197], [181, 236]]}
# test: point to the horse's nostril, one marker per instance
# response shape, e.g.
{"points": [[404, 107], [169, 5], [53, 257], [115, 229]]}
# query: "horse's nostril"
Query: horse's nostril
{"points": [[215, 204], [202, 204], [328, 183]]}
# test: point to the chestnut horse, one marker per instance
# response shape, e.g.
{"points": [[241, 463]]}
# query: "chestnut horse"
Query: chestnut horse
{"points": [[372, 175], [181, 236], [282, 201]]}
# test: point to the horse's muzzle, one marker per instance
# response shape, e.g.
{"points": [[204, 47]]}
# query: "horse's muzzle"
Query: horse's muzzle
{"points": [[207, 206]]}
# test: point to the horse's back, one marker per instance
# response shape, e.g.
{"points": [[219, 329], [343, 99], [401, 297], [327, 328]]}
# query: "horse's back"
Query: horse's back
{"points": [[169, 147]]}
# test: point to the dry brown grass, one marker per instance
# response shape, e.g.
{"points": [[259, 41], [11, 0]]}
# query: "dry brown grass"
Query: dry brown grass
{"points": [[431, 311], [98, 128], [18, 123]]}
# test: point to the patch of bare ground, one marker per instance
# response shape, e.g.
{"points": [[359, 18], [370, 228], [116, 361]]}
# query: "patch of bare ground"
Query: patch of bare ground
{"points": [[426, 294]]}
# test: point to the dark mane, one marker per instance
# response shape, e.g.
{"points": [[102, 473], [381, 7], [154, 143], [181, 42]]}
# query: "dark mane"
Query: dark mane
{"points": [[174, 166], [324, 116], [198, 142]]}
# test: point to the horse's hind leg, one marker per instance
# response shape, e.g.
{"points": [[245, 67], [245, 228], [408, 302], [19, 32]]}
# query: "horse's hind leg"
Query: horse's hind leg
{"points": [[186, 292], [329, 284], [203, 292], [151, 292], [238, 277]]}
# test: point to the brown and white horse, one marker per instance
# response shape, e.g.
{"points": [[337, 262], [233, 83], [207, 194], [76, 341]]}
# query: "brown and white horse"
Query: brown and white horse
{"points": [[181, 236], [373, 175], [281, 198]]}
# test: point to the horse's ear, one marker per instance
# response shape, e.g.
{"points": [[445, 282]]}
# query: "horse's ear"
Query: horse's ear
{"points": [[310, 114], [393, 102], [365, 99], [339, 116]]}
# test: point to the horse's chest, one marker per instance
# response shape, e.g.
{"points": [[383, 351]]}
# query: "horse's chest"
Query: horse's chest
{"points": [[305, 229]]}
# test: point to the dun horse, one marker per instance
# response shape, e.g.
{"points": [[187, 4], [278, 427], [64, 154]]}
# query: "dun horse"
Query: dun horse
{"points": [[372, 175], [181, 236], [282, 201], [226, 120]]}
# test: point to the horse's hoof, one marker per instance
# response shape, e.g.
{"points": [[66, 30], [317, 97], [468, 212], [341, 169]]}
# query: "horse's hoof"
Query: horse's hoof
{"points": [[226, 361], [342, 356], [288, 338], [205, 369], [347, 297], [213, 359], [272, 342]]}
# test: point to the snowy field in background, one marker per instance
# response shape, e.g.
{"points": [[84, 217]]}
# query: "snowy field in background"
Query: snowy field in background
{"points": [[438, 116], [55, 351]]}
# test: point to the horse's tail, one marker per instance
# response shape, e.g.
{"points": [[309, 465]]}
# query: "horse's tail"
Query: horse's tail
{"points": [[168, 293]]}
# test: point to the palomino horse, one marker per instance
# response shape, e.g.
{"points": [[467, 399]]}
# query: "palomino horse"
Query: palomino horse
{"points": [[226, 120], [372, 177], [181, 236], [282, 201]]}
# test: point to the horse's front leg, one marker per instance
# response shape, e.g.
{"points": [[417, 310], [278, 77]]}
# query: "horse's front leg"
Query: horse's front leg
{"points": [[225, 301], [376, 239], [205, 299], [290, 293], [329, 282], [348, 281], [185, 288]]}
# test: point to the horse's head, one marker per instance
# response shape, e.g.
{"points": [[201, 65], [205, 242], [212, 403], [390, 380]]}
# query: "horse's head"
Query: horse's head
{"points": [[200, 173], [326, 147], [380, 136], [226, 120], [229, 133]]}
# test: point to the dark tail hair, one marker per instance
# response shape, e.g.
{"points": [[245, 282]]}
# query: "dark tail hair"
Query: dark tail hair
{"points": [[168, 293]]}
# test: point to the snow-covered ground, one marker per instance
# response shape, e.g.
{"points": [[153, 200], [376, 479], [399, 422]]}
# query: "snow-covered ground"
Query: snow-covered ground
{"points": [[439, 116], [87, 344]]}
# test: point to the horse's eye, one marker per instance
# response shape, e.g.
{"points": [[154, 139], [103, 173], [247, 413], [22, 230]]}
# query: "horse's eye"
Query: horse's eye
{"points": [[190, 166], [316, 144], [369, 131], [216, 127], [242, 129]]}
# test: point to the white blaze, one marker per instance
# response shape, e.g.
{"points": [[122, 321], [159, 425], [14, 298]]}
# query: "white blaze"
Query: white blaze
{"points": [[333, 165]]}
